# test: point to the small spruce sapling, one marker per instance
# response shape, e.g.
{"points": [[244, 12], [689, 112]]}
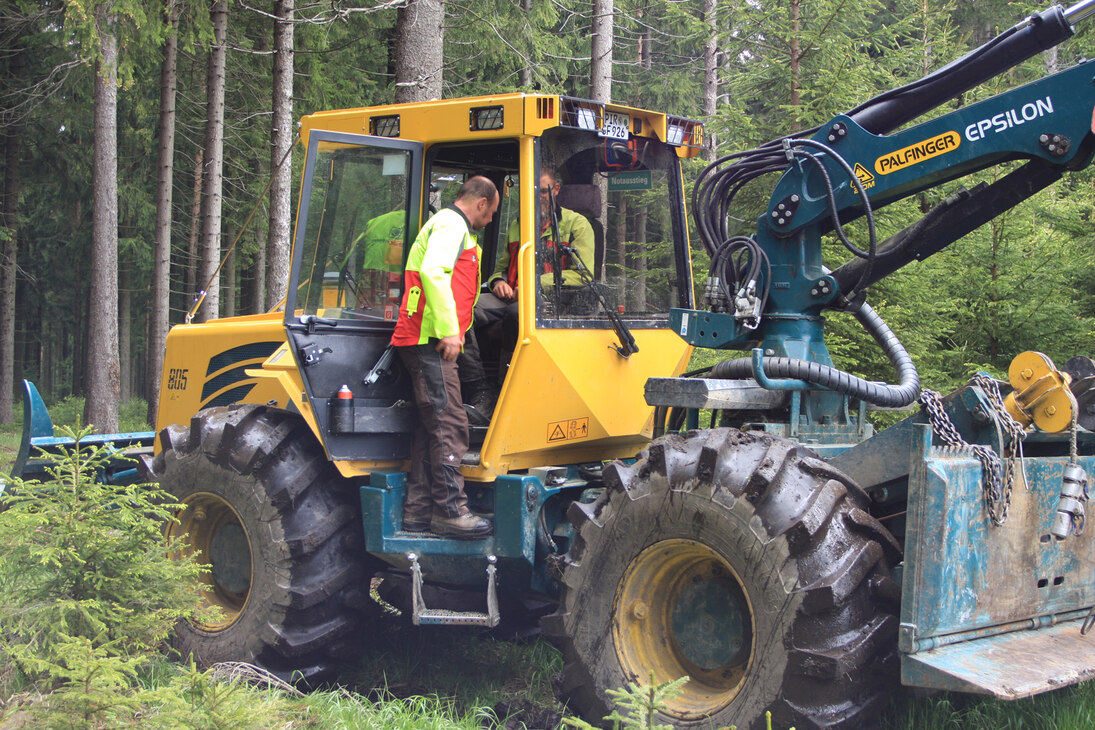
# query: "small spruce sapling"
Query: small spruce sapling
{"points": [[640, 703], [88, 588]]}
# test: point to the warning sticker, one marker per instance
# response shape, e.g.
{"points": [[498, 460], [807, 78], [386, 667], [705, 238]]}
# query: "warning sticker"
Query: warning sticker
{"points": [[866, 179], [575, 428]]}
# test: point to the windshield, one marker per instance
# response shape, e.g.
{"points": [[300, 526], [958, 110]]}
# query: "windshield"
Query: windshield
{"points": [[350, 254], [617, 214]]}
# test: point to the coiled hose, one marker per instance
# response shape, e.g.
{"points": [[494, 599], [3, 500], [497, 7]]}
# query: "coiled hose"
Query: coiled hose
{"points": [[906, 391]]}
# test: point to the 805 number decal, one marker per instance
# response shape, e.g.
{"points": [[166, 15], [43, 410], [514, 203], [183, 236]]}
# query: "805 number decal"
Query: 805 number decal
{"points": [[176, 378]]}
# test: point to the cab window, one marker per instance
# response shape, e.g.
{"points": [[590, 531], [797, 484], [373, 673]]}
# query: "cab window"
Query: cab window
{"points": [[352, 245]]}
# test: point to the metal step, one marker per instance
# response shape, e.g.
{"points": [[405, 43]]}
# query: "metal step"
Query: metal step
{"points": [[423, 616], [1009, 666]]}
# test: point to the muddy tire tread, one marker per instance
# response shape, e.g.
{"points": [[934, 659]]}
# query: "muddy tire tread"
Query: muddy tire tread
{"points": [[841, 642], [314, 551]]}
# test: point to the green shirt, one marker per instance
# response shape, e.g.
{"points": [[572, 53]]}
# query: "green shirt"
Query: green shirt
{"points": [[574, 230]]}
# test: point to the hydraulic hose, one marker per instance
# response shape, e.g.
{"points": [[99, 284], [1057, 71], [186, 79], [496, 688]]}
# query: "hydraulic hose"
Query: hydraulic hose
{"points": [[892, 109], [906, 391]]}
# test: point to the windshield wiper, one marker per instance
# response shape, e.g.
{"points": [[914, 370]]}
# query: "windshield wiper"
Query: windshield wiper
{"points": [[623, 334]]}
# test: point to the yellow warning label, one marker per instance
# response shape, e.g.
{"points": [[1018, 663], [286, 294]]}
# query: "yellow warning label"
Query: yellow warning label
{"points": [[915, 153], [866, 179], [575, 428]]}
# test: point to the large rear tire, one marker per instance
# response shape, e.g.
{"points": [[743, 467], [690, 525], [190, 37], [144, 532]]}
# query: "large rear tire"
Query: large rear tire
{"points": [[742, 561], [266, 510]]}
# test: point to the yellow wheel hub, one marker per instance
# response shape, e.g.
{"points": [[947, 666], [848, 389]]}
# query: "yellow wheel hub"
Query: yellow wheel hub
{"points": [[681, 610], [216, 537]]}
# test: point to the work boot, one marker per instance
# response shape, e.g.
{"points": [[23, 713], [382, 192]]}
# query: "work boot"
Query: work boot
{"points": [[416, 524], [483, 402], [468, 526]]}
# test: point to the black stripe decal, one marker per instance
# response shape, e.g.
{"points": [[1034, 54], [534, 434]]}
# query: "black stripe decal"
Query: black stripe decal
{"points": [[250, 351], [232, 396]]}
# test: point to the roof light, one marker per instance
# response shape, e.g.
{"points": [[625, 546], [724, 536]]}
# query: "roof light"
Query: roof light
{"points": [[384, 126], [586, 119], [681, 132], [580, 114], [675, 135], [485, 118]]}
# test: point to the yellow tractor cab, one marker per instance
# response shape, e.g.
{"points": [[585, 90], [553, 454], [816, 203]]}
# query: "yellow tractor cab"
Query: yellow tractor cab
{"points": [[571, 390]]}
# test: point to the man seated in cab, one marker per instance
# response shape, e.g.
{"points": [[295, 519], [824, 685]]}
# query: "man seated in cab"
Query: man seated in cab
{"points": [[500, 303]]}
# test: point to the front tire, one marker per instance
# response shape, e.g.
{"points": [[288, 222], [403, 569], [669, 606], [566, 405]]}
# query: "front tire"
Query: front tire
{"points": [[742, 561], [265, 509]]}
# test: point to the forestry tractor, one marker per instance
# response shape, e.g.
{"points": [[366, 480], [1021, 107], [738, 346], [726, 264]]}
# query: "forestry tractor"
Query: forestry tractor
{"points": [[786, 558]]}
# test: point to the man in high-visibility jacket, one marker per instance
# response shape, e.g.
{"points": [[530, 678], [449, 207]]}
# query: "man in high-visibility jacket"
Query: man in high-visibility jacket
{"points": [[441, 285], [574, 231], [500, 303]]}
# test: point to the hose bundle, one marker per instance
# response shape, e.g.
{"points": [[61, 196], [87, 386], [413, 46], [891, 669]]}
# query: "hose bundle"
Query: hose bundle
{"points": [[738, 260], [902, 394]]}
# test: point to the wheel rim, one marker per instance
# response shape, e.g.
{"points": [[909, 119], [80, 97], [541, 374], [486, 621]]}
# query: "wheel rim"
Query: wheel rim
{"points": [[215, 535], [682, 610]]}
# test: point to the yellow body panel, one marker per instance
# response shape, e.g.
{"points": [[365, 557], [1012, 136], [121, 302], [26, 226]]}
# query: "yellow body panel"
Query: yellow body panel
{"points": [[237, 360], [446, 120], [205, 365], [568, 397]]}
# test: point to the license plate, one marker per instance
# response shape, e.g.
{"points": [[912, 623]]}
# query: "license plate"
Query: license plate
{"points": [[615, 125]]}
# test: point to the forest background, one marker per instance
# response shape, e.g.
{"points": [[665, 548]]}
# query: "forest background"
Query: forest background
{"points": [[139, 136]]}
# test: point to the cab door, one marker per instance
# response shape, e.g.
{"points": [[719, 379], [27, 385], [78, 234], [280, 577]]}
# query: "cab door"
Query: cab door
{"points": [[360, 207]]}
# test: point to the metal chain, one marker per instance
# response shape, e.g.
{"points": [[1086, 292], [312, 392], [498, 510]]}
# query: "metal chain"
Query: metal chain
{"points": [[1015, 431], [996, 480]]}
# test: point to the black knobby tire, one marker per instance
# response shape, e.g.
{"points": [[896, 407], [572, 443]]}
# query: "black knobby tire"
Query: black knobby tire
{"points": [[743, 561], [272, 516]]}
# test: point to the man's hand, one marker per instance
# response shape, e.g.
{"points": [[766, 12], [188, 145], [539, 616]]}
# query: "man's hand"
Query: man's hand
{"points": [[449, 347], [503, 290]]}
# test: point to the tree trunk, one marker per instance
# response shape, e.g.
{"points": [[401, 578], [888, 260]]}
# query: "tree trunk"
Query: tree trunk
{"points": [[29, 328], [9, 248], [78, 325], [125, 334], [621, 249], [1052, 60], [796, 64], [192, 255], [161, 254], [600, 62], [281, 140], [419, 43], [639, 260], [526, 69], [212, 180], [101, 406], [228, 283], [710, 77], [256, 292]]}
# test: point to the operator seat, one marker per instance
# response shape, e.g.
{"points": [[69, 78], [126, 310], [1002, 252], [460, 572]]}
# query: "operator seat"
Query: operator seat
{"points": [[586, 199]]}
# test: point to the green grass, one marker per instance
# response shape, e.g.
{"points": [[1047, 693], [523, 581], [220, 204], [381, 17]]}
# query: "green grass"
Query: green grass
{"points": [[472, 672], [451, 679], [1071, 708], [342, 709]]}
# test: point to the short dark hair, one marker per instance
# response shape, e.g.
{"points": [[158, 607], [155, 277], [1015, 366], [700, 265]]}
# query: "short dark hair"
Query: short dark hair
{"points": [[477, 187]]}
